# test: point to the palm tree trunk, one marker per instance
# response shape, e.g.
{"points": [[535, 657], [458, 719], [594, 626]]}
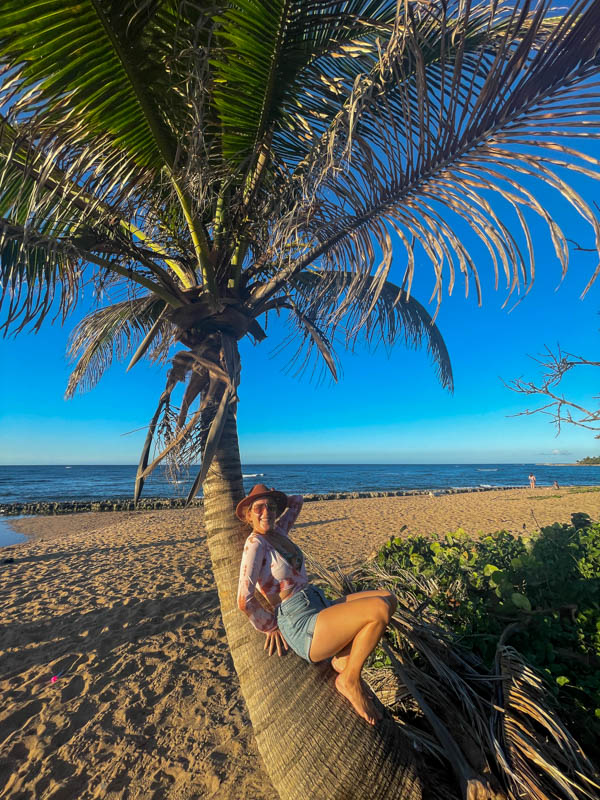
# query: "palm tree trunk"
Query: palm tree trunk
{"points": [[311, 742]]}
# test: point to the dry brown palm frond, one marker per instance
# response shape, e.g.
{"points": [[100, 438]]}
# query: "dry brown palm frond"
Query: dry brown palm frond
{"points": [[211, 369], [545, 759]]}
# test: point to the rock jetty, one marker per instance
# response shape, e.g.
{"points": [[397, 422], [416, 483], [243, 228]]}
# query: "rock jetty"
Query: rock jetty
{"points": [[154, 503]]}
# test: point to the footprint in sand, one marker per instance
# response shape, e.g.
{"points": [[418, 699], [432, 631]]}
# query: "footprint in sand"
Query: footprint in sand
{"points": [[19, 752], [73, 689], [18, 719]]}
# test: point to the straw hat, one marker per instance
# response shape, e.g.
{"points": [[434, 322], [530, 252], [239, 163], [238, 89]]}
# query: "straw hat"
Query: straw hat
{"points": [[258, 491]]}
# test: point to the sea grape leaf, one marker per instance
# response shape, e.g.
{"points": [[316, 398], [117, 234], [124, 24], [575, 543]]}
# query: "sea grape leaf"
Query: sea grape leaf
{"points": [[520, 601]]}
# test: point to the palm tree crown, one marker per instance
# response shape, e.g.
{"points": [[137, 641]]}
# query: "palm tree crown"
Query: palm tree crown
{"points": [[222, 162]]}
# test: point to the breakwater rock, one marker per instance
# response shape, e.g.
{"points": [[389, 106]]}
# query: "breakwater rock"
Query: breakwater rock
{"points": [[161, 503], [78, 506]]}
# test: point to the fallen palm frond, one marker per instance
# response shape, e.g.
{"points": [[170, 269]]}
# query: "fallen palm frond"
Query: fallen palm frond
{"points": [[548, 757], [497, 730]]}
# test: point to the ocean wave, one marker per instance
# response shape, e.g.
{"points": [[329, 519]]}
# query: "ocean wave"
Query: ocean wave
{"points": [[254, 475]]}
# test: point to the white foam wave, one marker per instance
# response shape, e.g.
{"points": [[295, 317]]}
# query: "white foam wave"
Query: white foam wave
{"points": [[253, 475]]}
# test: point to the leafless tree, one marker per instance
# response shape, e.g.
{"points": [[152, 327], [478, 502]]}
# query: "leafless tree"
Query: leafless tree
{"points": [[555, 366]]}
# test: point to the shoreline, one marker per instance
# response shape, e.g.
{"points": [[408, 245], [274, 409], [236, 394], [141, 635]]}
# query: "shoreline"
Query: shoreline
{"points": [[54, 507]]}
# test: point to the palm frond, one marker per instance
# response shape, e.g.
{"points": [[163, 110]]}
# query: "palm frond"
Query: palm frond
{"points": [[51, 229], [112, 332], [88, 60], [447, 153], [308, 337], [265, 72], [348, 42], [330, 300], [32, 274], [97, 93], [545, 758]]}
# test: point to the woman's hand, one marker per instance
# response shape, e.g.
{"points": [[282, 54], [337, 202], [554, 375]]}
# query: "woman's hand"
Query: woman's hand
{"points": [[275, 640]]}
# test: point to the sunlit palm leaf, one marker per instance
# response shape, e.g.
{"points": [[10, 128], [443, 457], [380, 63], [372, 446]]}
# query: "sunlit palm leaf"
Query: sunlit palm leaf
{"points": [[268, 52], [87, 60], [95, 90], [350, 50], [32, 277], [50, 227]]}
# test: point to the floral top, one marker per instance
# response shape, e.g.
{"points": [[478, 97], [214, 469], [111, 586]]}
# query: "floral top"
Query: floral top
{"points": [[263, 567]]}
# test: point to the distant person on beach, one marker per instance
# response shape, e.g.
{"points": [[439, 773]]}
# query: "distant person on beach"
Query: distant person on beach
{"points": [[300, 616], [532, 481], [555, 485]]}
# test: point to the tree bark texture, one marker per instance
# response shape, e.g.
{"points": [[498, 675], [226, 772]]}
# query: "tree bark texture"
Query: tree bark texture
{"points": [[313, 745]]}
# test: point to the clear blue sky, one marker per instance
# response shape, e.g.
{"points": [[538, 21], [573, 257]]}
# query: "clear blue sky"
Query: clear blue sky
{"points": [[386, 407]]}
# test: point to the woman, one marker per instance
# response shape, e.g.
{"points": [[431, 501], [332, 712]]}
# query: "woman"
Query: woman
{"points": [[300, 616]]}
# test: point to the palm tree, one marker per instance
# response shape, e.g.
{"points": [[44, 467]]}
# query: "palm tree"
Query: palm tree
{"points": [[204, 165]]}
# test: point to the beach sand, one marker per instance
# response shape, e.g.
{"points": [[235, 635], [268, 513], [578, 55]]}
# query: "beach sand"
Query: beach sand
{"points": [[115, 676]]}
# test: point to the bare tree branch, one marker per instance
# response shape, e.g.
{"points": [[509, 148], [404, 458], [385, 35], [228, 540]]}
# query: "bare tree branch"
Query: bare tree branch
{"points": [[562, 411]]}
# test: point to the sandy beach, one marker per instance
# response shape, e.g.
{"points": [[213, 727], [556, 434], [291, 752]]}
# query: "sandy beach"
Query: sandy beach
{"points": [[115, 676]]}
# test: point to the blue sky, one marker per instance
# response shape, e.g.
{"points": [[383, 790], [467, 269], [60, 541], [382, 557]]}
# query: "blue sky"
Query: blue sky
{"points": [[386, 408]]}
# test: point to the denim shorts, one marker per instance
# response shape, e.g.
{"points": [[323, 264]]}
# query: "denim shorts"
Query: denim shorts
{"points": [[297, 617]]}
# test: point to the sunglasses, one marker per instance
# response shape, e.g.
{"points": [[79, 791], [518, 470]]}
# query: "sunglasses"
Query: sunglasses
{"points": [[258, 508]]}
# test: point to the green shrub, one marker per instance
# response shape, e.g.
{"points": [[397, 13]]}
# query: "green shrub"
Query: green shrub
{"points": [[549, 583]]}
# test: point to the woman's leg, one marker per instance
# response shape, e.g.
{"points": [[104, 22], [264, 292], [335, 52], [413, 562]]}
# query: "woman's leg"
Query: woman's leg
{"points": [[340, 660], [359, 623]]}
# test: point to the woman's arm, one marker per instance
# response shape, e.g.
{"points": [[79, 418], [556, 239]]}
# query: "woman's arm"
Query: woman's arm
{"points": [[290, 515], [250, 568]]}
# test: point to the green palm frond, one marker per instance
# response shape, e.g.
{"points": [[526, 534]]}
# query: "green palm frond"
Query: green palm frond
{"points": [[87, 60], [95, 89], [32, 277], [34, 266], [50, 227], [38, 266], [268, 49], [450, 142], [112, 332]]}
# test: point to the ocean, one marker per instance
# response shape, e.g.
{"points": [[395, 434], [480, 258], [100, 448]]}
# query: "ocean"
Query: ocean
{"points": [[31, 484]]}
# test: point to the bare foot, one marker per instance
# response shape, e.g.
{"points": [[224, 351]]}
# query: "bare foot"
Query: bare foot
{"points": [[359, 700], [339, 664]]}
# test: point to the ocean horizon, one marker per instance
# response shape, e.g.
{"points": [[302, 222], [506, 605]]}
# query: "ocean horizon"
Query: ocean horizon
{"points": [[95, 482]]}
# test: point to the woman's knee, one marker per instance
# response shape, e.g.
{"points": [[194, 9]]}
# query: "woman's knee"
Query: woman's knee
{"points": [[381, 609], [393, 603]]}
